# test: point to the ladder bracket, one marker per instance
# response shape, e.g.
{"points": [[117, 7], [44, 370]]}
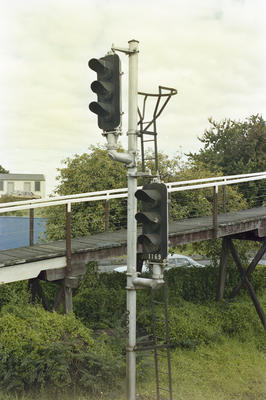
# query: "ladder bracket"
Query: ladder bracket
{"points": [[141, 174]]}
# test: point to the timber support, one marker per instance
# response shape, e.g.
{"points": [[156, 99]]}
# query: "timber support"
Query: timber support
{"points": [[222, 269], [245, 278]]}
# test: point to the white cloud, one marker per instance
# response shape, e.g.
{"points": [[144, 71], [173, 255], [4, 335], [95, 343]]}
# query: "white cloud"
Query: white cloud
{"points": [[211, 51]]}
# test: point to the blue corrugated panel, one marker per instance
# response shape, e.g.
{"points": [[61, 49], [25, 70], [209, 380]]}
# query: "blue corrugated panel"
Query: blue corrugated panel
{"points": [[14, 231]]}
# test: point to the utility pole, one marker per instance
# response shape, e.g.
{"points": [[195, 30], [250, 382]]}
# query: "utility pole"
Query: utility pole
{"points": [[107, 88], [131, 221]]}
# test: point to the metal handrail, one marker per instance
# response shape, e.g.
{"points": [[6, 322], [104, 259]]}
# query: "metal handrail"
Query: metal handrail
{"points": [[122, 192]]}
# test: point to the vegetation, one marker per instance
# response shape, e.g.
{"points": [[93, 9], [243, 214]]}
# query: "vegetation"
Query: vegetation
{"points": [[3, 170], [92, 171], [48, 352], [236, 147], [218, 350], [219, 347], [95, 171]]}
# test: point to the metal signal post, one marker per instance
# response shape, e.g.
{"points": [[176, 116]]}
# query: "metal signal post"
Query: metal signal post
{"points": [[154, 215], [131, 222]]}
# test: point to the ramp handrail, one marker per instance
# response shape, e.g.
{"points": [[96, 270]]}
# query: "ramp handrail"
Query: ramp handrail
{"points": [[122, 192]]}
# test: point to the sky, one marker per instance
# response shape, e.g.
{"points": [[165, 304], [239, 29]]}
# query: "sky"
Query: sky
{"points": [[211, 51]]}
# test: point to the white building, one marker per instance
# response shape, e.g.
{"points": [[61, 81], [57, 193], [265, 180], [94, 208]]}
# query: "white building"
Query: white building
{"points": [[22, 185]]}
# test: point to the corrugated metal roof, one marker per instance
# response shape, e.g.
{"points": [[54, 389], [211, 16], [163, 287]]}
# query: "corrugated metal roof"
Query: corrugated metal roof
{"points": [[22, 177]]}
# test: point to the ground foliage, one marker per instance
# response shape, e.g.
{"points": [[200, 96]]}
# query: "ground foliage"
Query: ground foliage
{"points": [[44, 351], [67, 353], [86, 353]]}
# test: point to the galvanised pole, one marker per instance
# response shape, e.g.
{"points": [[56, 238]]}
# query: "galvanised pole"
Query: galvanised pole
{"points": [[131, 221]]}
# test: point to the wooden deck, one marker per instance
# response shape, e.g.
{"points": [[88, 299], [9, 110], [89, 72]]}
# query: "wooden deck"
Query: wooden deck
{"points": [[28, 262]]}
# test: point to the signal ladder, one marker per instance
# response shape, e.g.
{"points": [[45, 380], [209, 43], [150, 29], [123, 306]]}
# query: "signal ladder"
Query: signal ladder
{"points": [[150, 135], [159, 345]]}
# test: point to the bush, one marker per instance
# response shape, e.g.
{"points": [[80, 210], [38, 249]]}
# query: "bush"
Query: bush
{"points": [[192, 284], [14, 293], [239, 318], [101, 299], [189, 324], [42, 350], [200, 284]]}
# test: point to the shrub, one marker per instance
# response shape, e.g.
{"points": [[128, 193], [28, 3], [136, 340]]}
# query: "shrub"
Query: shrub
{"points": [[239, 318], [42, 350], [101, 299], [199, 284], [189, 324], [14, 293]]}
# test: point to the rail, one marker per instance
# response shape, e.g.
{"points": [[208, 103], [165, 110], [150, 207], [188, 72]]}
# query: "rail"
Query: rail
{"points": [[107, 195]]}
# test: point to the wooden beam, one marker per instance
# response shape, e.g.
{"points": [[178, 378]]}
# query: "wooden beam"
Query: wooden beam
{"points": [[36, 290], [68, 304], [244, 279], [59, 297], [250, 269], [222, 269]]}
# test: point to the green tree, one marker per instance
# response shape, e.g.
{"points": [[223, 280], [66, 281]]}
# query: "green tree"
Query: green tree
{"points": [[88, 172], [96, 171], [235, 147], [199, 202], [3, 170]]}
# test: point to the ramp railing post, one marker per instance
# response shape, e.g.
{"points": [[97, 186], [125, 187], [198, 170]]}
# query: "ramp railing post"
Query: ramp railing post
{"points": [[224, 196], [215, 211], [68, 236], [68, 306], [106, 215], [31, 230]]}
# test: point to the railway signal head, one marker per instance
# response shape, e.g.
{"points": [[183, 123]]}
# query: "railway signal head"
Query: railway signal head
{"points": [[154, 220], [107, 88]]}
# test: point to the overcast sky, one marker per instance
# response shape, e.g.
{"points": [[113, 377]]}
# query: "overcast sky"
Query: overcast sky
{"points": [[211, 51]]}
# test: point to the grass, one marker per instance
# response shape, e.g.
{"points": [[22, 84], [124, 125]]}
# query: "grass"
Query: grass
{"points": [[228, 370]]}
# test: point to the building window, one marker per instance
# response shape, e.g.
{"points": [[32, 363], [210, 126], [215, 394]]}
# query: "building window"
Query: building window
{"points": [[27, 187], [37, 186], [1, 185]]}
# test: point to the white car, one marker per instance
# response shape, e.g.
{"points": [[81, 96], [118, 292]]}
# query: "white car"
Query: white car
{"points": [[175, 260]]}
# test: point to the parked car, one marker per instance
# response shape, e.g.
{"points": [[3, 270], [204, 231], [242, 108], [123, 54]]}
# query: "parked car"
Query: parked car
{"points": [[174, 260]]}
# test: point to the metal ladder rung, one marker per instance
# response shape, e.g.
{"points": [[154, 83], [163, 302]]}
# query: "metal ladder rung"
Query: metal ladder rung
{"points": [[165, 390], [148, 133], [163, 372], [160, 339], [161, 350], [146, 343], [151, 347], [158, 302], [162, 356]]}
